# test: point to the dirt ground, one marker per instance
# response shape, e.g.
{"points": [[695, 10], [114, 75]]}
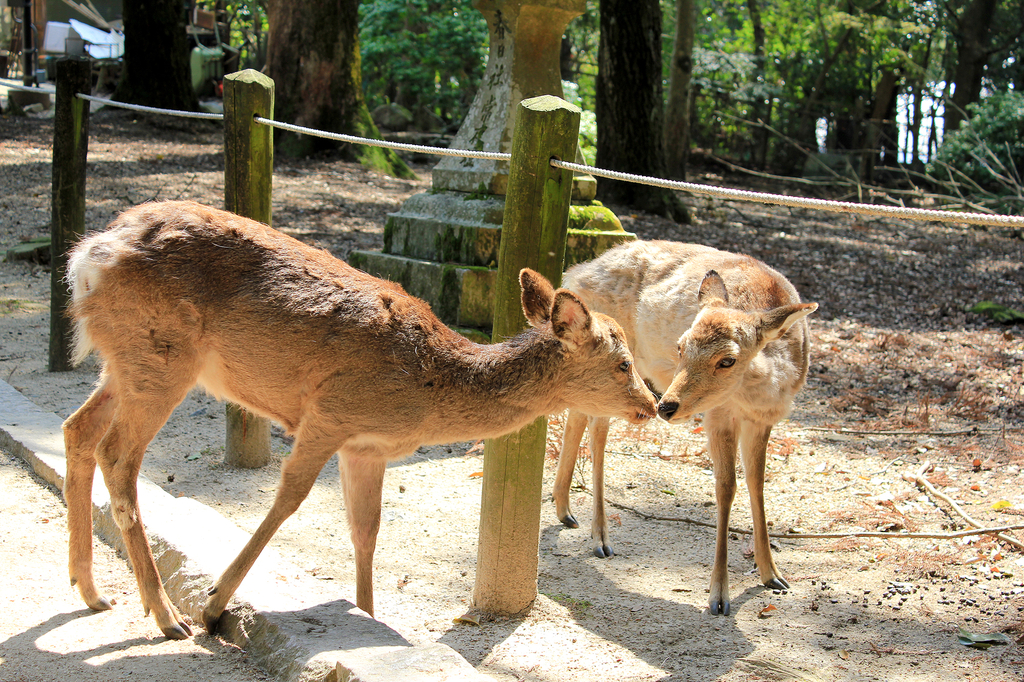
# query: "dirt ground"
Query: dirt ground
{"points": [[900, 375]]}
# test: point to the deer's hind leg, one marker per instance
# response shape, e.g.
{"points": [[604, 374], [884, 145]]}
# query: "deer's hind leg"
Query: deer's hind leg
{"points": [[82, 433], [147, 393], [362, 480]]}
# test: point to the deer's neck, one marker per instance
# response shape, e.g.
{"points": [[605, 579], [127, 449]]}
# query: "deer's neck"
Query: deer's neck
{"points": [[497, 388], [774, 377]]}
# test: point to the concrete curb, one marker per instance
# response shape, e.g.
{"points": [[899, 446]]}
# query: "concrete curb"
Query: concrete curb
{"points": [[293, 626]]}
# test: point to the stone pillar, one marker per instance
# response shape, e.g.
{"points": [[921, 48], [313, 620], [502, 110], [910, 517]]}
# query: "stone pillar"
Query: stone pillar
{"points": [[525, 42], [442, 246]]}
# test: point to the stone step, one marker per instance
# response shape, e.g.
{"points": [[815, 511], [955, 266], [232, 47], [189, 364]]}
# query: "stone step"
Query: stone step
{"points": [[462, 295], [455, 227], [447, 227], [459, 295]]}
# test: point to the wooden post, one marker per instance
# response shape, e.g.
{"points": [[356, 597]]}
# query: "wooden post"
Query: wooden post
{"points": [[248, 168], [532, 235], [67, 204]]}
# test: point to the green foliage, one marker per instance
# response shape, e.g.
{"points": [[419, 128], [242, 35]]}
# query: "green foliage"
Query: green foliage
{"points": [[998, 312], [987, 152], [997, 122], [427, 55], [588, 121], [247, 30]]}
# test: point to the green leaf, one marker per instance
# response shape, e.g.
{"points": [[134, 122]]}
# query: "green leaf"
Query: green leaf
{"points": [[997, 311], [981, 640]]}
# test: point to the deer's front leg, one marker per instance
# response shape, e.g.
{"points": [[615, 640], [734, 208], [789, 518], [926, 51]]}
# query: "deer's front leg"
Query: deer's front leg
{"points": [[754, 445], [362, 480], [722, 441], [298, 473], [599, 522], [575, 425]]}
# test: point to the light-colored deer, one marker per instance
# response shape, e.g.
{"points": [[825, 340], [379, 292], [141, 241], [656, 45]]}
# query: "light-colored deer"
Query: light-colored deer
{"points": [[176, 294], [713, 332]]}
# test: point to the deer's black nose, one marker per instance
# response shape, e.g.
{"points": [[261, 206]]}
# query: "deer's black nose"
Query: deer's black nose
{"points": [[666, 409]]}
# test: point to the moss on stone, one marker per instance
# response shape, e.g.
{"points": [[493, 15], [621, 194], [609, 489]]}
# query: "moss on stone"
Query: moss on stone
{"points": [[594, 217]]}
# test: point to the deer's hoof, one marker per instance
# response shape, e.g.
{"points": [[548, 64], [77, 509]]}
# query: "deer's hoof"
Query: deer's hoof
{"points": [[777, 584], [719, 607], [177, 631], [603, 551], [100, 603], [569, 521], [211, 621]]}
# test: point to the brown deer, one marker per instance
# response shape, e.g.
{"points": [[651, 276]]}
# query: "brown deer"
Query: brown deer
{"points": [[176, 294], [713, 332]]}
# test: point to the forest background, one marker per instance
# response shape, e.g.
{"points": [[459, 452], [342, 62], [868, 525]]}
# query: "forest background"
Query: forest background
{"points": [[905, 101]]}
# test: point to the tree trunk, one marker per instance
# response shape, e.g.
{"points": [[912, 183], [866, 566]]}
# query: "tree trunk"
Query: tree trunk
{"points": [[885, 94], [156, 68], [629, 106], [761, 109], [677, 110], [972, 55], [313, 58], [918, 95]]}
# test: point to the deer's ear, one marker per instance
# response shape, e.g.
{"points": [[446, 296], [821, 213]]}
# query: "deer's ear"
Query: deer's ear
{"points": [[538, 297], [570, 320], [776, 322], [712, 290]]}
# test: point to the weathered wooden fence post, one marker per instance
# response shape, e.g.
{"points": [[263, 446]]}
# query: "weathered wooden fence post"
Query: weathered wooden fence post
{"points": [[532, 236], [248, 168], [67, 204]]}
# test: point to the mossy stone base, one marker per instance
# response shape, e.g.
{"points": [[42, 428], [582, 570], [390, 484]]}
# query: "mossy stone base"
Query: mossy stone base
{"points": [[463, 296]]}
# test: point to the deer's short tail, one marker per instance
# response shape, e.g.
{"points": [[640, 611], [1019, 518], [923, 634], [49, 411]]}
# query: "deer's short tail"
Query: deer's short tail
{"points": [[87, 263]]}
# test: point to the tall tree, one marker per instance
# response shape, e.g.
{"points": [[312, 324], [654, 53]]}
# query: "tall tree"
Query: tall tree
{"points": [[629, 106], [313, 57], [677, 109], [972, 29], [156, 56]]}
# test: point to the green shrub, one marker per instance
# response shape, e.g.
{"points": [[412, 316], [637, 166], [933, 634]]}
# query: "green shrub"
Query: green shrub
{"points": [[984, 159]]}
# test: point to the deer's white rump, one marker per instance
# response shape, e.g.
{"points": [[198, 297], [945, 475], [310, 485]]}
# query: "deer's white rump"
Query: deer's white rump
{"points": [[713, 332], [175, 294]]}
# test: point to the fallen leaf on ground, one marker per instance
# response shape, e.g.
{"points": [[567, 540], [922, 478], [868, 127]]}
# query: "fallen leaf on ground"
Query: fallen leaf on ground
{"points": [[978, 640]]}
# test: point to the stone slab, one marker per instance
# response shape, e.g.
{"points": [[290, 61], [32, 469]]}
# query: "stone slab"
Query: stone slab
{"points": [[293, 626]]}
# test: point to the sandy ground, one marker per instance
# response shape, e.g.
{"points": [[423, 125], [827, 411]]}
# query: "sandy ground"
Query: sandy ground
{"points": [[47, 633], [900, 375]]}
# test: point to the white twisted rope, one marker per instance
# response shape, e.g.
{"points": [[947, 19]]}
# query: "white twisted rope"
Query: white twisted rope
{"points": [[802, 202], [151, 110], [15, 85], [403, 146], [709, 190]]}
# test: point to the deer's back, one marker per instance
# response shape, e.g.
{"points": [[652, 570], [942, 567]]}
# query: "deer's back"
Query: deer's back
{"points": [[258, 308], [650, 288]]}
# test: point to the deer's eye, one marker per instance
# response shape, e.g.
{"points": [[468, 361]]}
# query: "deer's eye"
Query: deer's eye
{"points": [[726, 362], [625, 366]]}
